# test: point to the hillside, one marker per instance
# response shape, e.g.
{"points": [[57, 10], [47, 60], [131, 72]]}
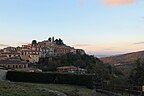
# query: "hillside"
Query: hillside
{"points": [[124, 62], [124, 58]]}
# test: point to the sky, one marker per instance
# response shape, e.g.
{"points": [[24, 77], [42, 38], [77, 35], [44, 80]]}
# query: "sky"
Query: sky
{"points": [[100, 27]]}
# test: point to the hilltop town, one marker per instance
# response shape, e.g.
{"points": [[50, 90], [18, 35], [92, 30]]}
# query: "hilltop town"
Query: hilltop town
{"points": [[52, 61], [20, 58]]}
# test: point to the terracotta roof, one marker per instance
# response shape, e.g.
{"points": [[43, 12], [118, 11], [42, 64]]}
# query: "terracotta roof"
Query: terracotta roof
{"points": [[68, 67], [10, 48]]}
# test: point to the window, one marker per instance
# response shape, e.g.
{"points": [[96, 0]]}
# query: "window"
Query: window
{"points": [[8, 66], [24, 66]]}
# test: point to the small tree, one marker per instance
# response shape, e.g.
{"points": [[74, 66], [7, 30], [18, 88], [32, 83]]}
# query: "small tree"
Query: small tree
{"points": [[49, 39], [57, 41], [60, 41], [34, 42]]}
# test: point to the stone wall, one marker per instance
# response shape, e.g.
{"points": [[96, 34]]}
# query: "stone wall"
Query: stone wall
{"points": [[3, 74]]}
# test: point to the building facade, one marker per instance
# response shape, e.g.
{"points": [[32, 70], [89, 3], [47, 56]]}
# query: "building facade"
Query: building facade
{"points": [[13, 63]]}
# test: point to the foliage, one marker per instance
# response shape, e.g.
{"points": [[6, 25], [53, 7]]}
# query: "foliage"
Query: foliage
{"points": [[69, 59], [49, 39], [102, 72], [59, 41], [59, 78], [137, 74], [34, 42]]}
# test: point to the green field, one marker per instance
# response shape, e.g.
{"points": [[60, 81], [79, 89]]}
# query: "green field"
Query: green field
{"points": [[32, 89]]}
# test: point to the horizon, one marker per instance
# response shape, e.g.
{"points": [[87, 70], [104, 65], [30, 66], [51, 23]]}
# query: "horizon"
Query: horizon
{"points": [[100, 27], [89, 53]]}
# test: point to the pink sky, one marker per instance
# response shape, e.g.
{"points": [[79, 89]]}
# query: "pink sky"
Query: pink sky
{"points": [[110, 2], [99, 26]]}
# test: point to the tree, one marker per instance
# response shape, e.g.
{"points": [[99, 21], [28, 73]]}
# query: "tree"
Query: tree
{"points": [[34, 42], [60, 41], [57, 41], [137, 74], [49, 39]]}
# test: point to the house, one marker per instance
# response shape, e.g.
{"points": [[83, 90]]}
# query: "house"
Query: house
{"points": [[25, 47], [11, 54], [34, 58], [19, 49], [45, 43], [71, 69], [80, 51], [36, 48], [3, 57], [47, 51], [10, 49], [13, 63], [30, 55], [62, 49], [73, 51], [1, 51]]}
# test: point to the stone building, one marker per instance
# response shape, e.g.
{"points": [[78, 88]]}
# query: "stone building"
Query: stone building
{"points": [[34, 58], [10, 54], [47, 52], [30, 55], [13, 63], [71, 69]]}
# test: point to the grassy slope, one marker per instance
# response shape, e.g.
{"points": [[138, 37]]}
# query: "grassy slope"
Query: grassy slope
{"points": [[124, 58], [31, 89]]}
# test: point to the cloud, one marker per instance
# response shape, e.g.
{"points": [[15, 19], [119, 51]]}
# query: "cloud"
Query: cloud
{"points": [[82, 45], [115, 2], [19, 43], [3, 45], [108, 49], [137, 43], [23, 43], [81, 2]]}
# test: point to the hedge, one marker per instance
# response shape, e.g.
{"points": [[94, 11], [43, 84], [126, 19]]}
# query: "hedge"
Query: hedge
{"points": [[58, 78]]}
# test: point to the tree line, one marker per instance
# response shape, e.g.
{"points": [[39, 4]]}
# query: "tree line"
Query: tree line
{"points": [[93, 65]]}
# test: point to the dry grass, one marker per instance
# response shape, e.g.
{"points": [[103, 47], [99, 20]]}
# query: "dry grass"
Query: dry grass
{"points": [[32, 89]]}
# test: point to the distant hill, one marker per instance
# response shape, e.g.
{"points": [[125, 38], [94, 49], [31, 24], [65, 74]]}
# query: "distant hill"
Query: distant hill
{"points": [[124, 62], [124, 58], [101, 56]]}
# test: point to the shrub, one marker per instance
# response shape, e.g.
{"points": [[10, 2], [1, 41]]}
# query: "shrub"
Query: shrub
{"points": [[58, 78]]}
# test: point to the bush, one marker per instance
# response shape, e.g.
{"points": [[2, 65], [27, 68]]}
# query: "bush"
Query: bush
{"points": [[58, 78]]}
